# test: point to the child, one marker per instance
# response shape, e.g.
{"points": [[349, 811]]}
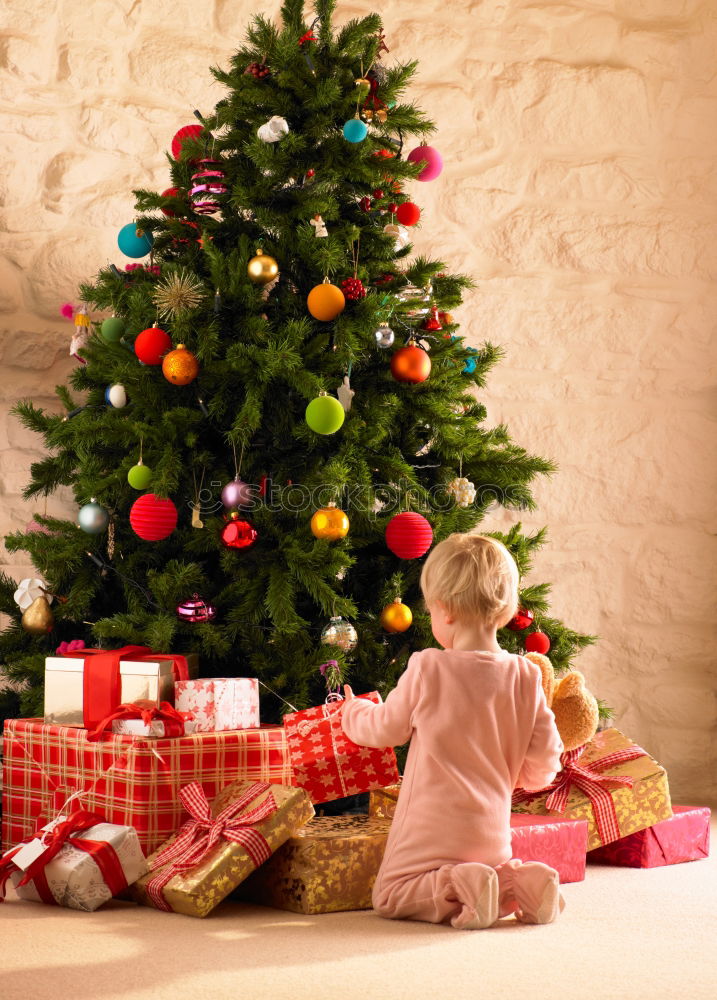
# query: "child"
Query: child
{"points": [[479, 726]]}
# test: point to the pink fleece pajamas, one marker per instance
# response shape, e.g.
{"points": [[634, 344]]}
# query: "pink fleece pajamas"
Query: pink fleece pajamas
{"points": [[479, 726]]}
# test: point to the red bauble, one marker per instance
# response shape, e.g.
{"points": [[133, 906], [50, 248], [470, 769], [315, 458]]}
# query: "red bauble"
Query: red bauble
{"points": [[238, 533], [378, 194], [537, 642], [521, 620], [410, 364], [408, 214], [409, 535], [353, 288], [187, 132], [310, 172], [365, 204], [151, 345], [153, 518], [170, 193], [392, 207]]}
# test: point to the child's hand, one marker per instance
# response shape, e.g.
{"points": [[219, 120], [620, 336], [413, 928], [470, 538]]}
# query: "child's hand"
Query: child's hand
{"points": [[348, 693]]}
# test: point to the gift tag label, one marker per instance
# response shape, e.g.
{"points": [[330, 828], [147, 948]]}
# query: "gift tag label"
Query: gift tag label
{"points": [[28, 853]]}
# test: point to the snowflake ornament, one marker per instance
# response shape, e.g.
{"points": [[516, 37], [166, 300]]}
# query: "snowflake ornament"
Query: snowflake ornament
{"points": [[462, 490]]}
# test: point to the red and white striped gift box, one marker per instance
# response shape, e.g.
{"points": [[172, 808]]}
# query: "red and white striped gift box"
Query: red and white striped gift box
{"points": [[129, 780]]}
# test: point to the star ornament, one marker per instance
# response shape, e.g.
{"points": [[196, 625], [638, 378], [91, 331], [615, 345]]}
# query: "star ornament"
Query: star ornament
{"points": [[178, 293]]}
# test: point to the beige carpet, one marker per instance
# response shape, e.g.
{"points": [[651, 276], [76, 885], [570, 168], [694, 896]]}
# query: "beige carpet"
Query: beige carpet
{"points": [[625, 934]]}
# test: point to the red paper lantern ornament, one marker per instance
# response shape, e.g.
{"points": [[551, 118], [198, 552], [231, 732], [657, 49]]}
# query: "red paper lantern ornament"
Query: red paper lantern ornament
{"points": [[522, 619], [180, 137], [408, 214], [238, 533], [537, 642], [409, 535], [411, 364], [151, 345], [153, 518], [170, 193]]}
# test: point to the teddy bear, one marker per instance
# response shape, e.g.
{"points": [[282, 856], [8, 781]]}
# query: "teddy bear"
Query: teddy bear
{"points": [[574, 707]]}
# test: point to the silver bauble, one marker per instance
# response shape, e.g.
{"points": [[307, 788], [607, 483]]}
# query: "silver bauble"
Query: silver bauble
{"points": [[340, 633], [384, 336], [93, 518]]}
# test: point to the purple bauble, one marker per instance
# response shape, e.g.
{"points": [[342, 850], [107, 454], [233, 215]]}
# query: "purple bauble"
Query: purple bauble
{"points": [[431, 157], [237, 494]]}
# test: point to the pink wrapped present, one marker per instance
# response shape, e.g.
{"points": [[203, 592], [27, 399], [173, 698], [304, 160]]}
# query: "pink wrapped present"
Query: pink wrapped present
{"points": [[685, 836], [326, 763], [219, 703]]}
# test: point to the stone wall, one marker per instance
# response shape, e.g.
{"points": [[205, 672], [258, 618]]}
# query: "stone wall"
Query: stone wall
{"points": [[579, 191]]}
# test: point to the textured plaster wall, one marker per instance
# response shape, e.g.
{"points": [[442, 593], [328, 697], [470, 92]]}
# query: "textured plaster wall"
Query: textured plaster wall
{"points": [[581, 144]]}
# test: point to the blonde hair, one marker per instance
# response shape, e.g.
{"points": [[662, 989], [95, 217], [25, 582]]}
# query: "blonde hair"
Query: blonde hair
{"points": [[473, 576]]}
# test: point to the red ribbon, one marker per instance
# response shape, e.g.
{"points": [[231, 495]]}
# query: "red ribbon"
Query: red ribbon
{"points": [[200, 834], [101, 679], [592, 783], [148, 713], [308, 37], [373, 97], [54, 840]]}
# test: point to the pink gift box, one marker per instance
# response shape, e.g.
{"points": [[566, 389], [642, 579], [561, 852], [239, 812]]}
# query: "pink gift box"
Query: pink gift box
{"points": [[219, 703], [685, 836], [558, 842]]}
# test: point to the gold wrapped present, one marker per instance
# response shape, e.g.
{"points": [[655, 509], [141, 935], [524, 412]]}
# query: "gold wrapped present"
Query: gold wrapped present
{"points": [[382, 802], [328, 866], [611, 782], [221, 844]]}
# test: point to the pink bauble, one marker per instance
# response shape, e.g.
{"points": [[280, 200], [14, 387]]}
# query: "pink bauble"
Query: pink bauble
{"points": [[237, 494], [431, 157]]}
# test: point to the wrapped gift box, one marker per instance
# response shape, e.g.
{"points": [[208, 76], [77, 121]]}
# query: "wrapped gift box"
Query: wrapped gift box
{"points": [[327, 763], [328, 866], [220, 703], [128, 780], [628, 789], [154, 730], [93, 864], [685, 836], [194, 872], [554, 840], [83, 688]]}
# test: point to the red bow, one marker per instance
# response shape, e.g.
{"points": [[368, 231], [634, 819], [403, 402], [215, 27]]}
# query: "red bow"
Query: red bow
{"points": [[200, 834], [592, 783], [53, 841], [101, 679], [373, 97], [308, 37], [148, 713]]}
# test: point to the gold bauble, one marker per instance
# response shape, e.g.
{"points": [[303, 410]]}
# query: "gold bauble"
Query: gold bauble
{"points": [[362, 82], [330, 523], [340, 633], [38, 619], [381, 115], [326, 301], [396, 617], [180, 366], [367, 114], [262, 269]]}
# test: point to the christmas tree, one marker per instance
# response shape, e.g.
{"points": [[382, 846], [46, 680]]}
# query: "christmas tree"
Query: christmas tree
{"points": [[280, 351]]}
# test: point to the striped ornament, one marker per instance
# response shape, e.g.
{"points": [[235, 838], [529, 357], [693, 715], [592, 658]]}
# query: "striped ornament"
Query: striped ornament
{"points": [[409, 535], [153, 518]]}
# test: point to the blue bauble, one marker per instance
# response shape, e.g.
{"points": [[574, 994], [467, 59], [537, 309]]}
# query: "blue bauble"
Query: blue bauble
{"points": [[470, 366], [133, 245], [355, 130]]}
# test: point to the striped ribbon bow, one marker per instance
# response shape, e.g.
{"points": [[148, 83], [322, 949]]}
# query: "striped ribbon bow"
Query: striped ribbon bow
{"points": [[202, 832], [589, 779]]}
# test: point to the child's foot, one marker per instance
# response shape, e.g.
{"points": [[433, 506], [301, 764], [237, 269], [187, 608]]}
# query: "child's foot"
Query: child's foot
{"points": [[537, 893], [477, 888]]}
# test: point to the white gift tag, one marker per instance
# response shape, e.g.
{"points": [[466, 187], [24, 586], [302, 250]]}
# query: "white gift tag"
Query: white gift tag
{"points": [[29, 853]]}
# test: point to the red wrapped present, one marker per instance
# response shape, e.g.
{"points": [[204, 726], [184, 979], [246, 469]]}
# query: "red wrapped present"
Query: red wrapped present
{"points": [[554, 840], [685, 836], [326, 763], [129, 780]]}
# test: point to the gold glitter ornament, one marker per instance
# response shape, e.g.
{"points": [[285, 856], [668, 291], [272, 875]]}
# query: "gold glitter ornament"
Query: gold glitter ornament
{"points": [[341, 633], [178, 293], [180, 366], [262, 268]]}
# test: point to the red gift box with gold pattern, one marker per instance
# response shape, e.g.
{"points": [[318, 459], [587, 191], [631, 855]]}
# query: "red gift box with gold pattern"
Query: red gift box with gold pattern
{"points": [[129, 780], [326, 763], [558, 842], [685, 836]]}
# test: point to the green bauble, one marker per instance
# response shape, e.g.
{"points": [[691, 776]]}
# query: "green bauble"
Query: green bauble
{"points": [[112, 329], [325, 414], [139, 476]]}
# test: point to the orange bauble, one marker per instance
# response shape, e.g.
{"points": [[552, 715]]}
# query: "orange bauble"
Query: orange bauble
{"points": [[180, 367], [410, 364], [330, 523], [326, 301], [396, 617]]}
